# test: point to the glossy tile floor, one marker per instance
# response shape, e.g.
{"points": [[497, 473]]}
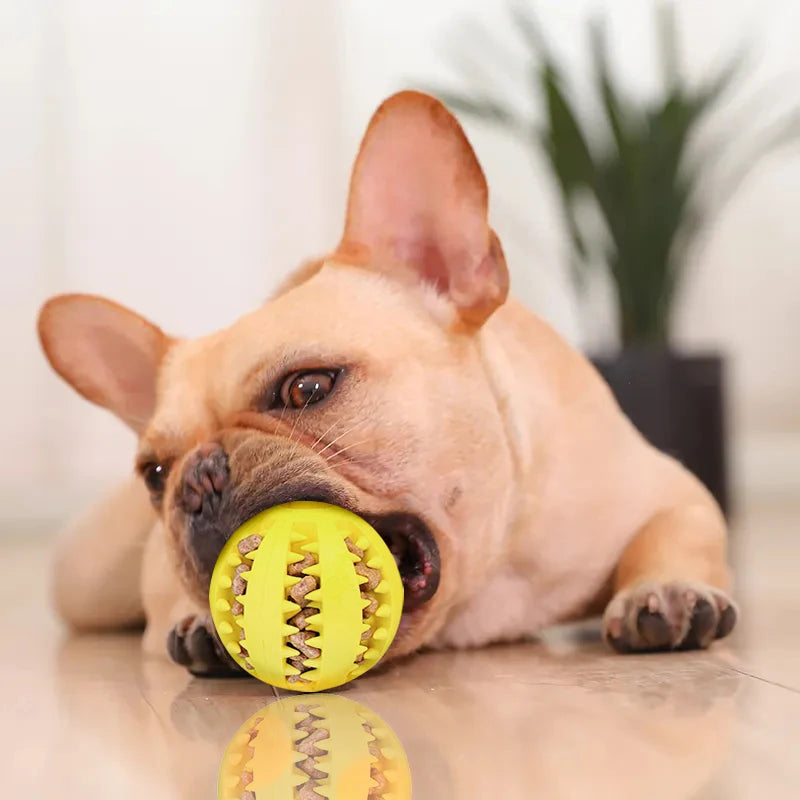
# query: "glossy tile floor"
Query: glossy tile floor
{"points": [[564, 718]]}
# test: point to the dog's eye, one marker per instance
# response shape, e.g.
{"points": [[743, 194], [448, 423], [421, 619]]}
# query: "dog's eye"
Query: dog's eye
{"points": [[301, 389], [155, 476]]}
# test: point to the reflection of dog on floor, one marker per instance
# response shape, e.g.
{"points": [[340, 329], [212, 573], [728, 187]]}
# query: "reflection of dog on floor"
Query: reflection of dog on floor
{"points": [[518, 723], [397, 379]]}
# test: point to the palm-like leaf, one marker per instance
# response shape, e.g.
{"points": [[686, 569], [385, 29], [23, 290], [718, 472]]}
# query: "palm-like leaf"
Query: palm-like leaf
{"points": [[637, 171]]}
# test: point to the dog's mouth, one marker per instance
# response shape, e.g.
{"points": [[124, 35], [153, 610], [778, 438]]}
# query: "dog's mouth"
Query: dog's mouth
{"points": [[415, 552], [407, 536]]}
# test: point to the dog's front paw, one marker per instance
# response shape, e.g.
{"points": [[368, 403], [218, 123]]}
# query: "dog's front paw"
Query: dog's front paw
{"points": [[678, 615], [193, 643]]}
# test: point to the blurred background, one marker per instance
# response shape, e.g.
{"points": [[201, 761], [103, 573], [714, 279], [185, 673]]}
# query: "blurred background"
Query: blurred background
{"points": [[181, 157]]}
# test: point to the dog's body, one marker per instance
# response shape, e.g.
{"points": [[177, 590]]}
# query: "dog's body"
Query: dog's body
{"points": [[484, 447]]}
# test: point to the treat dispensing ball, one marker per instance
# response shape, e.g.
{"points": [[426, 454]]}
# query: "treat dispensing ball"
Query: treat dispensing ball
{"points": [[306, 596]]}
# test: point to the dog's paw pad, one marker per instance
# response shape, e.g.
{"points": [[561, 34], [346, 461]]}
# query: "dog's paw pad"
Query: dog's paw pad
{"points": [[668, 616], [193, 643]]}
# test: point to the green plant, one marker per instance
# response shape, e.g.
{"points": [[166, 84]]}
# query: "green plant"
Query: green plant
{"points": [[639, 167]]}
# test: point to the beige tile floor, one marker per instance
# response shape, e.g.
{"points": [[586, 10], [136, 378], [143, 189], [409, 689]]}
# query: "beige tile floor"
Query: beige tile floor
{"points": [[563, 718]]}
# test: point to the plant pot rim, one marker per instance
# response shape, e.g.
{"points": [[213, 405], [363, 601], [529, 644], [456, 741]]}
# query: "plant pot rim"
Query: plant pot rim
{"points": [[685, 354]]}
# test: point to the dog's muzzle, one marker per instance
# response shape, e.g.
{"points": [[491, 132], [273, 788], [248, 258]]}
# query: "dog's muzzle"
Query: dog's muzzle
{"points": [[219, 489]]}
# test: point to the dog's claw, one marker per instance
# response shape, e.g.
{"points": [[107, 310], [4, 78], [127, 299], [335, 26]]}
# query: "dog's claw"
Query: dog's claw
{"points": [[677, 615], [193, 643]]}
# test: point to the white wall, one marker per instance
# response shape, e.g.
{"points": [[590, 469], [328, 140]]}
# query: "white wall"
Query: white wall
{"points": [[181, 156]]}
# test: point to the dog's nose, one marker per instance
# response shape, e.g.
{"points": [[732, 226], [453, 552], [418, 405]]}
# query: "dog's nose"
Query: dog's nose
{"points": [[205, 476], [201, 495]]}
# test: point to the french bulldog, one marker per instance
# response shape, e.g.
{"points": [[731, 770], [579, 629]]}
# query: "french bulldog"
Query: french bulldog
{"points": [[394, 377]]}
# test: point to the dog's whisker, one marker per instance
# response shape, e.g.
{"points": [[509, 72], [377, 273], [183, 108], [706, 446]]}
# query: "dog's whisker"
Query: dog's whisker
{"points": [[283, 412], [341, 435], [343, 460], [344, 449], [294, 428], [325, 433]]}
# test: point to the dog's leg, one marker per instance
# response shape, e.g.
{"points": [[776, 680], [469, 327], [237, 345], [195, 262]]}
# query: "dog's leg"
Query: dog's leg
{"points": [[98, 562], [178, 626], [671, 584]]}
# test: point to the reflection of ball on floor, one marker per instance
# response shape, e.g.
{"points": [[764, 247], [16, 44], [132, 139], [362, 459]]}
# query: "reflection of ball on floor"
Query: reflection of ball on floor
{"points": [[306, 596], [321, 745]]}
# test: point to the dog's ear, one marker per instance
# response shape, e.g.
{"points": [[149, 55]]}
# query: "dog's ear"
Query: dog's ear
{"points": [[106, 352], [418, 206]]}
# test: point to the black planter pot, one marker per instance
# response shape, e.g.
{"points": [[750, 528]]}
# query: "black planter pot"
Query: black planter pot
{"points": [[678, 404]]}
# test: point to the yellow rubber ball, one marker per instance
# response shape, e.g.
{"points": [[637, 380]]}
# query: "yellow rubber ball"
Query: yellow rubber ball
{"points": [[306, 596]]}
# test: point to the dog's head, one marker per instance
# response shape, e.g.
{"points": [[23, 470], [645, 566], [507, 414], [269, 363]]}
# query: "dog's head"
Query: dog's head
{"points": [[363, 382]]}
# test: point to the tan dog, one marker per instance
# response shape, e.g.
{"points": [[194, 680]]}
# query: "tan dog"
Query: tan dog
{"points": [[394, 378]]}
